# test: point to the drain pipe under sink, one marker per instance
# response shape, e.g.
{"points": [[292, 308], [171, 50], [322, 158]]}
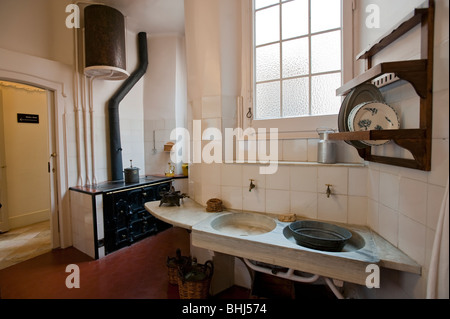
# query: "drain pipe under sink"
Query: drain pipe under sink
{"points": [[291, 276]]}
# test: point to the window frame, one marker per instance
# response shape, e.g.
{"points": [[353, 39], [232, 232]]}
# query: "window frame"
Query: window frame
{"points": [[294, 127]]}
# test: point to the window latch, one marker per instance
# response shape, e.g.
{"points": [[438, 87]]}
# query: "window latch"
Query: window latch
{"points": [[250, 113]]}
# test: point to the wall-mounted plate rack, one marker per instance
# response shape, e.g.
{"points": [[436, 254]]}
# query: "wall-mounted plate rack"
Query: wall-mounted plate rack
{"points": [[417, 72]]}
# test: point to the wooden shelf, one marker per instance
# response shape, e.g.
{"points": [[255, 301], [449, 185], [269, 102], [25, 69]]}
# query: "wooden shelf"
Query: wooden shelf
{"points": [[404, 26], [417, 72], [409, 134], [414, 71]]}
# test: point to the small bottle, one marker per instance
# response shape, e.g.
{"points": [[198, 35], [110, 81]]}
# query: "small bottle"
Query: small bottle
{"points": [[170, 171]]}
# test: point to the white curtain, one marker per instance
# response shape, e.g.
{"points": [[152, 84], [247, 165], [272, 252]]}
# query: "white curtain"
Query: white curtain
{"points": [[438, 273]]}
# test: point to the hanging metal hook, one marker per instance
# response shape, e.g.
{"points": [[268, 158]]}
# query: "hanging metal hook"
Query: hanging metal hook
{"points": [[250, 113]]}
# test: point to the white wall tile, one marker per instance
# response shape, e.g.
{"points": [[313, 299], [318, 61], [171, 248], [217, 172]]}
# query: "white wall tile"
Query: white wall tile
{"points": [[232, 197], [413, 199], [211, 174], [389, 190], [231, 174], [357, 181], [304, 204], [412, 238], [254, 201], [434, 203], [357, 210], [333, 208], [439, 163], [413, 174], [388, 224], [372, 214], [279, 180], [303, 179], [277, 201], [373, 184]]}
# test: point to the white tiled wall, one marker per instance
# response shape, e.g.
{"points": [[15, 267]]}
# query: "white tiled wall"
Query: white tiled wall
{"points": [[402, 205], [299, 189], [82, 222]]}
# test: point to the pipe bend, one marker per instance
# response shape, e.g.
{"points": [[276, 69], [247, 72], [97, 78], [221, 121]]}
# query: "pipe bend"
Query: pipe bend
{"points": [[288, 275], [291, 276], [113, 108]]}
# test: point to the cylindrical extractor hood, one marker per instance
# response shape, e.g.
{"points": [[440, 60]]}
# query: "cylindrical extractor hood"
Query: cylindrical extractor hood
{"points": [[105, 42]]}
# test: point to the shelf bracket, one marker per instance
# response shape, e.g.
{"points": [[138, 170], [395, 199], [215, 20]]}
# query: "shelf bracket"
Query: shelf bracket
{"points": [[418, 149], [418, 80]]}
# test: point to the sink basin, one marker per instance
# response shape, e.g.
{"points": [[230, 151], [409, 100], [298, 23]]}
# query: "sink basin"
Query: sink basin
{"points": [[243, 224]]}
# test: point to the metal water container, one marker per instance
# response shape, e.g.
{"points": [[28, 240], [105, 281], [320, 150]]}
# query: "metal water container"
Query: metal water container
{"points": [[326, 149], [105, 47]]}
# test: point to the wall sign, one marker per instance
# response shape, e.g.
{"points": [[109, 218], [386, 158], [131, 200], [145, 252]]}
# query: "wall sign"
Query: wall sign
{"points": [[28, 118]]}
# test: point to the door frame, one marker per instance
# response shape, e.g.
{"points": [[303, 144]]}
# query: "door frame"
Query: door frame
{"points": [[4, 220], [56, 78]]}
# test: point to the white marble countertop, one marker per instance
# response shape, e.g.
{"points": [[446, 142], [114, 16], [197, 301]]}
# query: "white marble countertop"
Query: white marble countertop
{"points": [[275, 248]]}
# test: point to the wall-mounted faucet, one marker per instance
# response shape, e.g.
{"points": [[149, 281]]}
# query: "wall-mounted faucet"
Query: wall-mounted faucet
{"points": [[328, 190], [252, 186]]}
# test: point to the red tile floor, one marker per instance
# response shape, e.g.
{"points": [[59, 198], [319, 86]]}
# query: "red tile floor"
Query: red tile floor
{"points": [[135, 272]]}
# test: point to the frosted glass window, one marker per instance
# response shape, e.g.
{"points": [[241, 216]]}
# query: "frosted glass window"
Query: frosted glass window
{"points": [[268, 62], [295, 57], [268, 100], [264, 3], [326, 52], [323, 95], [296, 97], [325, 15], [295, 18], [268, 25]]}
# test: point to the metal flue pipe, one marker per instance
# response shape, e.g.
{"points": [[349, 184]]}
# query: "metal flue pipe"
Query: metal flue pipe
{"points": [[113, 109]]}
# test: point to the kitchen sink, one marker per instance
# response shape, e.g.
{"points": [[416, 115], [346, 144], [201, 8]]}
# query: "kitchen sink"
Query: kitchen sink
{"points": [[243, 224]]}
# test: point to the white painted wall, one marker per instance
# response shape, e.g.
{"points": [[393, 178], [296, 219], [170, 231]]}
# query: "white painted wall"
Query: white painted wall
{"points": [[164, 98], [36, 28]]}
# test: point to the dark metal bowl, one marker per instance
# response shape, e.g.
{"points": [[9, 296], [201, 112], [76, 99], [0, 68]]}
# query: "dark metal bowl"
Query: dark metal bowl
{"points": [[320, 236]]}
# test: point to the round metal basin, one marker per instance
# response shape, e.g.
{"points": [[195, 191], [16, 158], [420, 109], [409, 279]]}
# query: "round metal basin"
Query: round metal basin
{"points": [[242, 224], [323, 236]]}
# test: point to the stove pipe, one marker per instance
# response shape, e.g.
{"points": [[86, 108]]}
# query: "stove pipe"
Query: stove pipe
{"points": [[113, 108]]}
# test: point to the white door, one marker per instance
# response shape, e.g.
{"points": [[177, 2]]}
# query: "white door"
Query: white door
{"points": [[4, 225]]}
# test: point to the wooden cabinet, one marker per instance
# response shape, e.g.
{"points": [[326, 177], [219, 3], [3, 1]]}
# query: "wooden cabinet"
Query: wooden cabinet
{"points": [[417, 72]]}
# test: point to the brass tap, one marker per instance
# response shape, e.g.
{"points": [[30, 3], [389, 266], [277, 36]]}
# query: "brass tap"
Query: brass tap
{"points": [[252, 186], [328, 190]]}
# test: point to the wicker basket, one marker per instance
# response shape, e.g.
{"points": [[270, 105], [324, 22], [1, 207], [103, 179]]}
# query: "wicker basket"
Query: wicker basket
{"points": [[195, 289], [214, 205], [173, 264]]}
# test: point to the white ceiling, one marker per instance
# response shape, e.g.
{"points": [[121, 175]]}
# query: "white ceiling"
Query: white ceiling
{"points": [[151, 16]]}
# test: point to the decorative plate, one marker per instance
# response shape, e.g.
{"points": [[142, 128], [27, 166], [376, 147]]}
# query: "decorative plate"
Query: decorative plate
{"points": [[363, 93], [371, 116]]}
